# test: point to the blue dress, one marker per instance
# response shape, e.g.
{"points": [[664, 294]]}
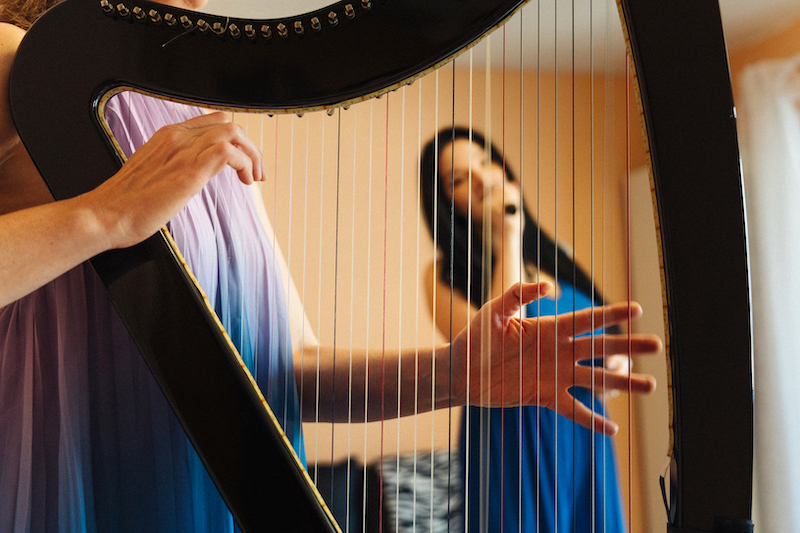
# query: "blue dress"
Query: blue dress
{"points": [[88, 443], [532, 470]]}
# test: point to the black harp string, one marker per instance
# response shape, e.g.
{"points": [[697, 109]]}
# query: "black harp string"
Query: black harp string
{"points": [[574, 268], [319, 292], [383, 306], [436, 267], [418, 189], [369, 275], [486, 261], [628, 170], [555, 244], [350, 369], [502, 272], [451, 259], [539, 245], [467, 429], [401, 241], [335, 294], [289, 371], [520, 266], [451, 269]]}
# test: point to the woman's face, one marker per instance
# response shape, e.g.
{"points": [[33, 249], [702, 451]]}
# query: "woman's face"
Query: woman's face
{"points": [[488, 189]]}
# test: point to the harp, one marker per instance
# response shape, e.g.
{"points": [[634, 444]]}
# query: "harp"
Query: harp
{"points": [[680, 60]]}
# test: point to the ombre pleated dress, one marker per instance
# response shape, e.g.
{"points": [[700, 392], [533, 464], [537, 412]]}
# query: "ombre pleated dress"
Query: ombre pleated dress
{"points": [[531, 470], [88, 443]]}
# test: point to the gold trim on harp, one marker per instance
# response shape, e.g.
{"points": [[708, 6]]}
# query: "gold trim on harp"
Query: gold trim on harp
{"points": [[210, 311]]}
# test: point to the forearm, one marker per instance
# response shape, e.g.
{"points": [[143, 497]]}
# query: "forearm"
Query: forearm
{"points": [[357, 386], [41, 243], [508, 267]]}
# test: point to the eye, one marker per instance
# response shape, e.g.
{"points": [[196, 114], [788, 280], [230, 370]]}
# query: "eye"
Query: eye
{"points": [[460, 178]]}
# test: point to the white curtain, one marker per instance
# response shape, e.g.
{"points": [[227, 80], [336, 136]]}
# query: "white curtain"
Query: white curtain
{"points": [[769, 119]]}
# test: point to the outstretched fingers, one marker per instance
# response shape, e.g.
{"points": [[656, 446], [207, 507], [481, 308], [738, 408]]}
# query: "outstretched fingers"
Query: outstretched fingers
{"points": [[606, 345], [579, 413], [603, 380], [519, 295], [593, 318]]}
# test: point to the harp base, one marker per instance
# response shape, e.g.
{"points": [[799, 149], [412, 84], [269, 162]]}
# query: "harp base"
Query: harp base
{"points": [[721, 525]]}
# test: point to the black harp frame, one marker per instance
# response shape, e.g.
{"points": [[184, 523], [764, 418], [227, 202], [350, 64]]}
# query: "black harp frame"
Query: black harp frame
{"points": [[81, 51]]}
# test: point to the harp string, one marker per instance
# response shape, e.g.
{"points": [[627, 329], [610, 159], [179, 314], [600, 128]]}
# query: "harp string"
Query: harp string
{"points": [[350, 370], [325, 204], [452, 222], [319, 282], [486, 261], [416, 308], [520, 439], [336, 283], [594, 392], [538, 247], [628, 284], [288, 371]]}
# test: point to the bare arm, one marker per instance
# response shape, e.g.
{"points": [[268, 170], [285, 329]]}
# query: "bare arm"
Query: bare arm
{"points": [[451, 374], [40, 243], [41, 239], [363, 386], [453, 311]]}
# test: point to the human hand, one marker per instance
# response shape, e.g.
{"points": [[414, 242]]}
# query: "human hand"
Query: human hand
{"points": [[616, 364], [507, 224], [513, 361], [164, 174]]}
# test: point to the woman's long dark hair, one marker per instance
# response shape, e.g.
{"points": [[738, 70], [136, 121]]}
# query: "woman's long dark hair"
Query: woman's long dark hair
{"points": [[538, 248], [23, 13]]}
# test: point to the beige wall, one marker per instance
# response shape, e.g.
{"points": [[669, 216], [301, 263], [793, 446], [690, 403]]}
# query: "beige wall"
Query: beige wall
{"points": [[784, 42]]}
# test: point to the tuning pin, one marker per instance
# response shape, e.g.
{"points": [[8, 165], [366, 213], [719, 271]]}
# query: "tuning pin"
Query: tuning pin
{"points": [[123, 10]]}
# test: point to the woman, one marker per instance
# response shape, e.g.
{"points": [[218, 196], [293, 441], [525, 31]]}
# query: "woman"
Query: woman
{"points": [[566, 474], [88, 441]]}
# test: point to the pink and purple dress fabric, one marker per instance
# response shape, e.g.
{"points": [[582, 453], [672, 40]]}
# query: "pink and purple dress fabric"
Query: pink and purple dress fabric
{"points": [[88, 443]]}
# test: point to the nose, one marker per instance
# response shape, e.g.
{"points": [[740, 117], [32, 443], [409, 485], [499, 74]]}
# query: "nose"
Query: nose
{"points": [[486, 176]]}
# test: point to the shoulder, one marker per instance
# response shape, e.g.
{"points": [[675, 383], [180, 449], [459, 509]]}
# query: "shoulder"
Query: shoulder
{"points": [[10, 37]]}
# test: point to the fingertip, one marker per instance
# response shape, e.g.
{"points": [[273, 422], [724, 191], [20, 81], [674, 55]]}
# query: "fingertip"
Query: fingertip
{"points": [[606, 427], [659, 345], [219, 116], [545, 287], [643, 384]]}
